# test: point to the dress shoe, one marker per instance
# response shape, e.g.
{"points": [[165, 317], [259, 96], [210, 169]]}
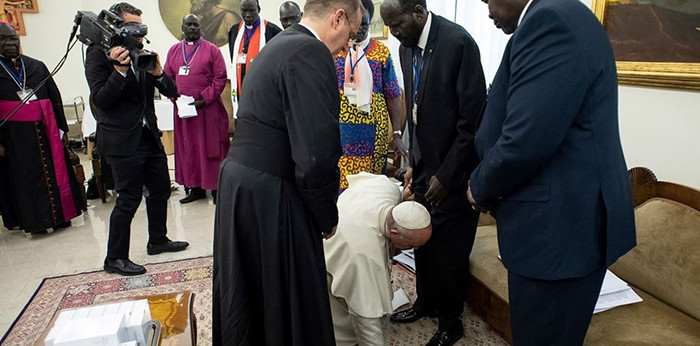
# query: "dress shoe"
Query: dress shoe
{"points": [[123, 267], [167, 246], [195, 194], [445, 338], [406, 316]]}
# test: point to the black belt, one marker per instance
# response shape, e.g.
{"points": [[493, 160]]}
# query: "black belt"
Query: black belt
{"points": [[263, 148]]}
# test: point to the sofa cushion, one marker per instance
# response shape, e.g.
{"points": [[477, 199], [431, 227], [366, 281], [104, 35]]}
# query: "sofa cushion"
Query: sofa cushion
{"points": [[651, 322], [484, 264], [666, 261]]}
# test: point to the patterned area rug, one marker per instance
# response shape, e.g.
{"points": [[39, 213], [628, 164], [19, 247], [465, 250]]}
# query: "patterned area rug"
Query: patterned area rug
{"points": [[84, 289]]}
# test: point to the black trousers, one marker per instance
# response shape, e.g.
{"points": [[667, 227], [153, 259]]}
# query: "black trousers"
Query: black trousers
{"points": [[555, 312], [442, 265], [148, 168]]}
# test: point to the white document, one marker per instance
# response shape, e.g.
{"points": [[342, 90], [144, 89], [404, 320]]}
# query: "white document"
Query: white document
{"points": [[406, 261], [612, 283], [400, 299], [615, 299], [184, 109]]}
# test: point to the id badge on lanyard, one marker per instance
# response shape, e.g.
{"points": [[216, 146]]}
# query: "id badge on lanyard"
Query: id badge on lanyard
{"points": [[24, 92], [351, 92], [184, 70], [241, 58]]}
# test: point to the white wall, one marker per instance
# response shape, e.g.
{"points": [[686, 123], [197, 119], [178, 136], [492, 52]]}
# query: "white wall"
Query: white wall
{"points": [[660, 128]]}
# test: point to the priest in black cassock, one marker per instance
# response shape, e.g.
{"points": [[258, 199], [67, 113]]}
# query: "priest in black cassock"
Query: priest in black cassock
{"points": [[278, 187], [38, 188]]}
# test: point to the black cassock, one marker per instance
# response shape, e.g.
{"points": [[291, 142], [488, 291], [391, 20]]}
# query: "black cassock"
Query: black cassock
{"points": [[30, 196], [277, 192]]}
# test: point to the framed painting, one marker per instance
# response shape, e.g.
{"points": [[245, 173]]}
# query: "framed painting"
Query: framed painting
{"points": [[377, 29], [655, 42], [216, 17], [11, 11]]}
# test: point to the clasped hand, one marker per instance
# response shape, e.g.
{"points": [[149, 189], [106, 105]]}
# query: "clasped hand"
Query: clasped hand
{"points": [[472, 201], [436, 191]]}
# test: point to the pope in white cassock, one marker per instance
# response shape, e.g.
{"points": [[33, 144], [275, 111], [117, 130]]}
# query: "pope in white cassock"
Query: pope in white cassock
{"points": [[371, 219]]}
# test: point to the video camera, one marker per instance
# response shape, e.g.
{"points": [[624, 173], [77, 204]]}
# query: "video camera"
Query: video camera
{"points": [[108, 30]]}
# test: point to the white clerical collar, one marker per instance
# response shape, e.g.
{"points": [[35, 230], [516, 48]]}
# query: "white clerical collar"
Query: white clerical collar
{"points": [[423, 40], [312, 30], [522, 14]]}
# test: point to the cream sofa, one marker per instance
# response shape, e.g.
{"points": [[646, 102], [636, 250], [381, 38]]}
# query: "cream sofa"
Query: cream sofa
{"points": [[664, 269]]}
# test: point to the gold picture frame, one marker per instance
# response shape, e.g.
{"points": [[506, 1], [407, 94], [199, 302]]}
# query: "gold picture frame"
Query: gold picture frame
{"points": [[667, 74], [377, 29]]}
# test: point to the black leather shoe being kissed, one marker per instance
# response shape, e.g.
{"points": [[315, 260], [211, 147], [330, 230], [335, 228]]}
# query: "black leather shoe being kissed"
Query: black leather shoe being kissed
{"points": [[406, 316]]}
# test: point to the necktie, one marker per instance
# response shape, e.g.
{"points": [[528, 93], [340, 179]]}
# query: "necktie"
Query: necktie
{"points": [[417, 68]]}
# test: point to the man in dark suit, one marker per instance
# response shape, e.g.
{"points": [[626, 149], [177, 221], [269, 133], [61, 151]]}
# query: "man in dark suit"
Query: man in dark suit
{"points": [[445, 90], [128, 136], [552, 169]]}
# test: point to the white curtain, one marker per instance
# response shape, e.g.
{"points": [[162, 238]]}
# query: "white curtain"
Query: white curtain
{"points": [[473, 15], [445, 8]]}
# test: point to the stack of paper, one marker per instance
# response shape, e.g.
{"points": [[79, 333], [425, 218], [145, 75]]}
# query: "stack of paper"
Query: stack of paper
{"points": [[406, 258], [613, 293], [110, 324]]}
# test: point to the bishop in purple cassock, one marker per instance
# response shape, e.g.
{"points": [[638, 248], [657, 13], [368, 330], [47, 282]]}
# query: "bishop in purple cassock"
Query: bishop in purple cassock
{"points": [[201, 141]]}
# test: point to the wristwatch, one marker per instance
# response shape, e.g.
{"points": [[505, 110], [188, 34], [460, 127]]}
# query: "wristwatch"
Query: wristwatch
{"points": [[397, 132]]}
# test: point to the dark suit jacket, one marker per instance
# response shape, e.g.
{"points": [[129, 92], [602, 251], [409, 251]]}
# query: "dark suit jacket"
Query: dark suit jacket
{"points": [[450, 97], [270, 31], [122, 103], [553, 168]]}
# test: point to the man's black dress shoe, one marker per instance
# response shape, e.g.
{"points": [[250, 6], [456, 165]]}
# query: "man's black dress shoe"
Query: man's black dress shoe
{"points": [[167, 246], [445, 338], [195, 194], [123, 267], [406, 316]]}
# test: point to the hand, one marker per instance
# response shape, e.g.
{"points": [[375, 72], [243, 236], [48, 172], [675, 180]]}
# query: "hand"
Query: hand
{"points": [[408, 194], [331, 234], [472, 201], [198, 104], [399, 147], [157, 71], [436, 192], [120, 55], [408, 178]]}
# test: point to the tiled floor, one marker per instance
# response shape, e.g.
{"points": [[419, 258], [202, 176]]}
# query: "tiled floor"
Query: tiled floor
{"points": [[26, 259]]}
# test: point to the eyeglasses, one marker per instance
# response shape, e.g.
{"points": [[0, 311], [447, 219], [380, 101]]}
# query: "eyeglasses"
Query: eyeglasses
{"points": [[347, 20]]}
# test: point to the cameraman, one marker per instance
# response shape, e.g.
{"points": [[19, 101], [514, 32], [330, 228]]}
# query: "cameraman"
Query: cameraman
{"points": [[128, 136]]}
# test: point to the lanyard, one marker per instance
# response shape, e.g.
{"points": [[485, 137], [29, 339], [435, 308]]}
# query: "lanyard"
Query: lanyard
{"points": [[353, 66], [188, 59], [21, 79]]}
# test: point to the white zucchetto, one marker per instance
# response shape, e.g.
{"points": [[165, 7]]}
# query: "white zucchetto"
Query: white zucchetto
{"points": [[411, 215]]}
